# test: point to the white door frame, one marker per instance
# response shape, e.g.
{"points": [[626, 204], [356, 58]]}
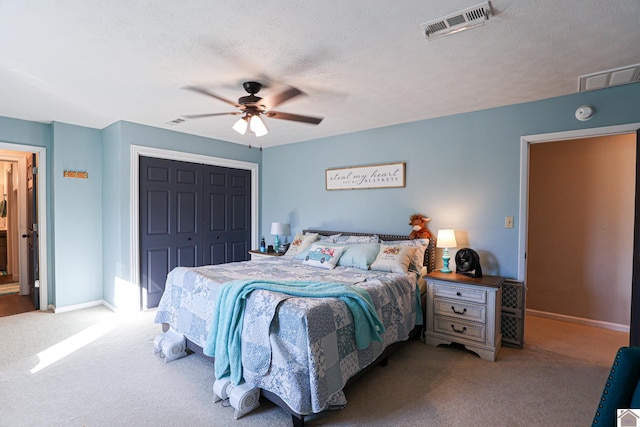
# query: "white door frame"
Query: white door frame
{"points": [[20, 160], [525, 142], [41, 177], [137, 151]]}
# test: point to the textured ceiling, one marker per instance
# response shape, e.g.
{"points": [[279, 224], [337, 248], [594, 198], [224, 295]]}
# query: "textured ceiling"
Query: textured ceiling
{"points": [[364, 64]]}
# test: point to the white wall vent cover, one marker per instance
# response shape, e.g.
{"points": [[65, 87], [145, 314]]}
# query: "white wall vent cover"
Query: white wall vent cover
{"points": [[614, 77], [458, 21]]}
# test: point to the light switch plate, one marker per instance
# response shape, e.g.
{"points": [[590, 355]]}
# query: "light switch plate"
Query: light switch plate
{"points": [[508, 222]]}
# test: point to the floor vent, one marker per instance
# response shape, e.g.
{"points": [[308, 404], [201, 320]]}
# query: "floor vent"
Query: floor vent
{"points": [[614, 77], [456, 22]]}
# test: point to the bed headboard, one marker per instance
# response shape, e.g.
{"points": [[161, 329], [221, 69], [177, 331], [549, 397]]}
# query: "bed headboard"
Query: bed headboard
{"points": [[429, 254]]}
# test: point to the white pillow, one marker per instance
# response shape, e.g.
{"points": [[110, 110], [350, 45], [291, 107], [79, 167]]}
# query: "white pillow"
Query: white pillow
{"points": [[323, 256], [393, 258], [417, 260], [300, 243]]}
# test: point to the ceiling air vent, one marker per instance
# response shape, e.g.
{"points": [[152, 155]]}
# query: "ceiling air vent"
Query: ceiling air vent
{"points": [[176, 121], [614, 77], [455, 22]]}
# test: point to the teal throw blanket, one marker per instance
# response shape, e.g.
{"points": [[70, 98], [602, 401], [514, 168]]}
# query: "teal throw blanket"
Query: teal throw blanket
{"points": [[224, 340]]}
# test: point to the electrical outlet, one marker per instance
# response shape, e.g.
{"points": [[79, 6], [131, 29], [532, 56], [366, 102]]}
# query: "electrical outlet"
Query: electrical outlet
{"points": [[508, 222]]}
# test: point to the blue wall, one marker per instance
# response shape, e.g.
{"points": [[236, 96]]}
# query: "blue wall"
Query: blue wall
{"points": [[463, 171], [77, 215]]}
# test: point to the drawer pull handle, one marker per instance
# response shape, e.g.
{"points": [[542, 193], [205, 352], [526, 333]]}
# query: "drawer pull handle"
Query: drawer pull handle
{"points": [[458, 294], [459, 331], [464, 310]]}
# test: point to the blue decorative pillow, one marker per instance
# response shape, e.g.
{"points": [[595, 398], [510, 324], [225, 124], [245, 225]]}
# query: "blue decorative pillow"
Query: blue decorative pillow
{"points": [[359, 255], [323, 256]]}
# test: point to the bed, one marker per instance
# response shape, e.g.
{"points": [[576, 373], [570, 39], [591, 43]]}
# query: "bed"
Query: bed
{"points": [[302, 352]]}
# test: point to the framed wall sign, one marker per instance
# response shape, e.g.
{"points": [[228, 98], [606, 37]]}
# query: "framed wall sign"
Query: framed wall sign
{"points": [[387, 175]]}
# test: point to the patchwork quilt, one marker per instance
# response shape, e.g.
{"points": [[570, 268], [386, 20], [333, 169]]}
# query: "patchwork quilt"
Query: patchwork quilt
{"points": [[311, 351]]}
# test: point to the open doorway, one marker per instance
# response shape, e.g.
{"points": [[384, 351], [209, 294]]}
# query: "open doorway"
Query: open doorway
{"points": [[20, 288], [9, 222], [578, 197]]}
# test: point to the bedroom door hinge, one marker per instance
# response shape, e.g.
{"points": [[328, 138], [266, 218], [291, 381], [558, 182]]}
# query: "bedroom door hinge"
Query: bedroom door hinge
{"points": [[35, 228], [34, 170]]}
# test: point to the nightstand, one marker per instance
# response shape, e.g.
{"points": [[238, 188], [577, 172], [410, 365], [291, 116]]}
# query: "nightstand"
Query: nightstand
{"points": [[255, 254], [465, 310]]}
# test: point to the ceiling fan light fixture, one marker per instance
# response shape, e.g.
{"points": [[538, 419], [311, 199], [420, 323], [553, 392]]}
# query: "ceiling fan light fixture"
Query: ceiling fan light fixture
{"points": [[252, 107], [257, 126], [241, 126]]}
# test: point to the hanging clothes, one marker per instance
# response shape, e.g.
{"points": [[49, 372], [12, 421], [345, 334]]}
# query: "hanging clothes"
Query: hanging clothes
{"points": [[3, 208]]}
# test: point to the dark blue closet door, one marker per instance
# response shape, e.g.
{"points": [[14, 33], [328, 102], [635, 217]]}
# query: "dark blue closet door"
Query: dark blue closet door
{"points": [[170, 213], [190, 215], [227, 213]]}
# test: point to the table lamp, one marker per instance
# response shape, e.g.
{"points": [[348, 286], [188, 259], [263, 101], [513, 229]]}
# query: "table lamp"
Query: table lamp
{"points": [[446, 239], [276, 228]]}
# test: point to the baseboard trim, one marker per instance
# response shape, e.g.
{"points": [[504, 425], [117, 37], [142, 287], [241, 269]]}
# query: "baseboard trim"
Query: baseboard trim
{"points": [[87, 305], [76, 306], [579, 320], [109, 306]]}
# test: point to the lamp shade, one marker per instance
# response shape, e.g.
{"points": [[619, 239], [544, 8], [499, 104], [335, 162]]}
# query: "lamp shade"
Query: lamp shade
{"points": [[241, 126], [257, 126], [446, 239], [276, 228]]}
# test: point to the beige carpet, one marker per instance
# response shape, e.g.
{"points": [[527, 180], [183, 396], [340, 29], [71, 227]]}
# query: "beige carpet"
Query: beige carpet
{"points": [[109, 377], [595, 345]]}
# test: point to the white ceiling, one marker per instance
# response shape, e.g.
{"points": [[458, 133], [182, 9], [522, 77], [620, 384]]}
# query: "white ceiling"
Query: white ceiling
{"points": [[363, 63]]}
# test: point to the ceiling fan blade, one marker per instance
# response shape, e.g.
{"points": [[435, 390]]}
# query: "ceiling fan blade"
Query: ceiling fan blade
{"points": [[294, 117], [272, 101], [204, 91], [199, 116]]}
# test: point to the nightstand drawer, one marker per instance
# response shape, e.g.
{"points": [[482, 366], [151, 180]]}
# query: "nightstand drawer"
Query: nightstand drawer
{"points": [[460, 293], [457, 328], [472, 312]]}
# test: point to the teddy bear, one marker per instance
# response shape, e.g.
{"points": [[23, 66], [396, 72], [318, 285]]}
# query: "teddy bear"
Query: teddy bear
{"points": [[419, 224]]}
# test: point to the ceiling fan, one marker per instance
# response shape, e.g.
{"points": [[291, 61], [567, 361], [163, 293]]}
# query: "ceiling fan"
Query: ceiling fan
{"points": [[252, 107]]}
